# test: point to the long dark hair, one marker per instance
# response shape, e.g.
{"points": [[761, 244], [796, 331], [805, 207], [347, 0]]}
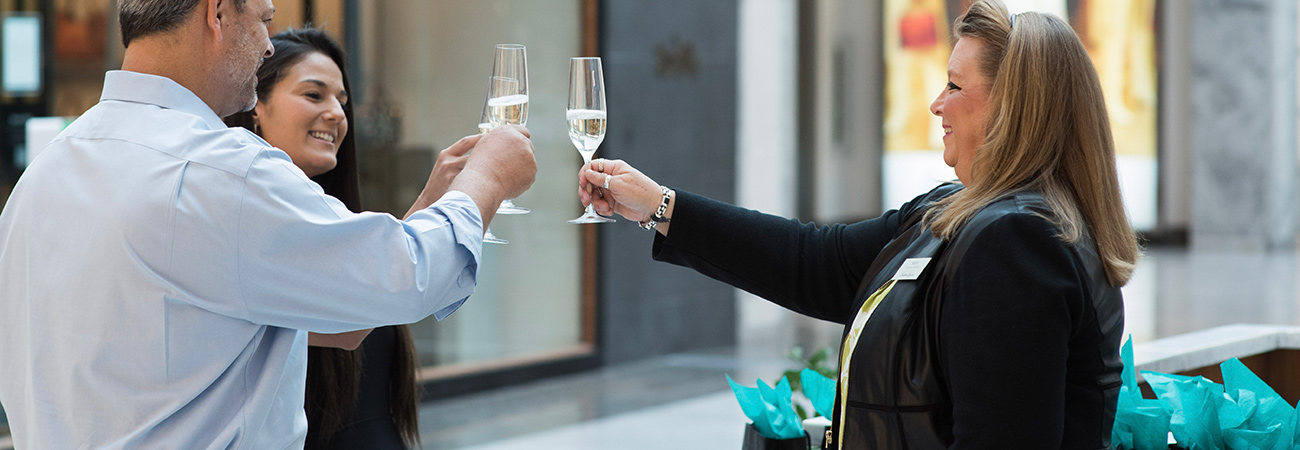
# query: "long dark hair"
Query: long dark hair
{"points": [[334, 375]]}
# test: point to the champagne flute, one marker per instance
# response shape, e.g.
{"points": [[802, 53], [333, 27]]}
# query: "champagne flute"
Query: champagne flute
{"points": [[509, 62], [586, 116], [484, 126]]}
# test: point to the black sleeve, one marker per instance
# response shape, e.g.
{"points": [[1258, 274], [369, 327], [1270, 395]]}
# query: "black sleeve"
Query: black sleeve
{"points": [[1006, 326], [808, 269]]}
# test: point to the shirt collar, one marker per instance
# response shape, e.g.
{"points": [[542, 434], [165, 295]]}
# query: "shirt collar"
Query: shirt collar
{"points": [[156, 90]]}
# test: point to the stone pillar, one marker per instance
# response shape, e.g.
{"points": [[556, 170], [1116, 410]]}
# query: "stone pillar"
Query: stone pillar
{"points": [[1244, 164], [670, 77], [766, 157]]}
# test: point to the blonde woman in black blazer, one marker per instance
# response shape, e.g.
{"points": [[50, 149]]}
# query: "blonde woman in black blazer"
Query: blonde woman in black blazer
{"points": [[983, 314]]}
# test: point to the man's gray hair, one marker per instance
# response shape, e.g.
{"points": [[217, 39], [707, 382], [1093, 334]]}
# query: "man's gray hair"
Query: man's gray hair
{"points": [[144, 17]]}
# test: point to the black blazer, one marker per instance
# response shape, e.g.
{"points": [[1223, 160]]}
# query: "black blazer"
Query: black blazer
{"points": [[1009, 338]]}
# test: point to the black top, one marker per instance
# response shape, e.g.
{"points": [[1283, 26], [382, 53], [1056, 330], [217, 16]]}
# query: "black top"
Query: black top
{"points": [[1022, 359], [372, 426]]}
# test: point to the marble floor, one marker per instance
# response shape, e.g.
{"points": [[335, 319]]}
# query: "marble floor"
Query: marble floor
{"points": [[683, 401]]}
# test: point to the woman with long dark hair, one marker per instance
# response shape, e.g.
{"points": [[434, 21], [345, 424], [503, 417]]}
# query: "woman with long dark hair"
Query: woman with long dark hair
{"points": [[368, 397]]}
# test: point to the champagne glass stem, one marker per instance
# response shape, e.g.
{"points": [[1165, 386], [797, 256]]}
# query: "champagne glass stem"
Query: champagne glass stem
{"points": [[590, 215], [586, 159]]}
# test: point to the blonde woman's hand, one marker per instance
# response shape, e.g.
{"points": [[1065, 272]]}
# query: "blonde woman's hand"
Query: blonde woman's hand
{"points": [[629, 193]]}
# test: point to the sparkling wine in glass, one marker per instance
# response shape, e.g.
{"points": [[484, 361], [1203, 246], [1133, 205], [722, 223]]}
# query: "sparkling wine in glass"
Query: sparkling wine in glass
{"points": [[508, 99], [586, 116]]}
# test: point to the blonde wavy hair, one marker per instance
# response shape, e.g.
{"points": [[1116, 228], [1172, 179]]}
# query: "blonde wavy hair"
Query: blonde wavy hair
{"points": [[1047, 131]]}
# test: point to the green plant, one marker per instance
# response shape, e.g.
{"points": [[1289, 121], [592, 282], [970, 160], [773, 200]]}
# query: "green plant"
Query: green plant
{"points": [[822, 361]]}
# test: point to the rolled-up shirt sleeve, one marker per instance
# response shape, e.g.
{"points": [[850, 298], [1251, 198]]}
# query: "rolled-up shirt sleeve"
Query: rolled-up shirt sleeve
{"points": [[304, 261]]}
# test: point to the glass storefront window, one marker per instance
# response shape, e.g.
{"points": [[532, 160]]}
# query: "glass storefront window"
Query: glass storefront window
{"points": [[426, 65]]}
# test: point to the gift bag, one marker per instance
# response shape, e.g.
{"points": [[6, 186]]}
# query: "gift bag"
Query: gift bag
{"points": [[755, 441]]}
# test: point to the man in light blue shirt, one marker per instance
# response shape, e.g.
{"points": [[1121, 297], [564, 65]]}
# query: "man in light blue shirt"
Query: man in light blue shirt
{"points": [[159, 271]]}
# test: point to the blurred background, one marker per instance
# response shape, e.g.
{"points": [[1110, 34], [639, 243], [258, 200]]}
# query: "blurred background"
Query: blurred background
{"points": [[811, 109]]}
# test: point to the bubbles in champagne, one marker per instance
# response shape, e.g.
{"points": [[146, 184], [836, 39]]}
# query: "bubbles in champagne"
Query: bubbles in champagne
{"points": [[510, 109], [586, 129]]}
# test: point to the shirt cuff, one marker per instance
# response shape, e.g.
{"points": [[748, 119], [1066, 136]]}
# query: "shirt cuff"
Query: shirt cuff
{"points": [[467, 230]]}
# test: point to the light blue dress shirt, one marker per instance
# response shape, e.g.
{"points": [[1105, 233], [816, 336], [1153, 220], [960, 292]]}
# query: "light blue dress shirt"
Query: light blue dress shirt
{"points": [[159, 271]]}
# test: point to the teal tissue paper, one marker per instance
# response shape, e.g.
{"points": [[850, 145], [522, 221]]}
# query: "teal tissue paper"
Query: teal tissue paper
{"points": [[1193, 404], [1235, 409], [820, 390], [1295, 425], [1242, 413], [769, 408], [1140, 423], [1254, 415]]}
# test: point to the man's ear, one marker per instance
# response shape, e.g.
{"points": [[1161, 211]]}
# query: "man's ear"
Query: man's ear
{"points": [[214, 11]]}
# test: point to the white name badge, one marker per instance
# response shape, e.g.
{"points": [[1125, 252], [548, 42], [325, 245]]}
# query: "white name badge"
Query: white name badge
{"points": [[911, 269]]}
